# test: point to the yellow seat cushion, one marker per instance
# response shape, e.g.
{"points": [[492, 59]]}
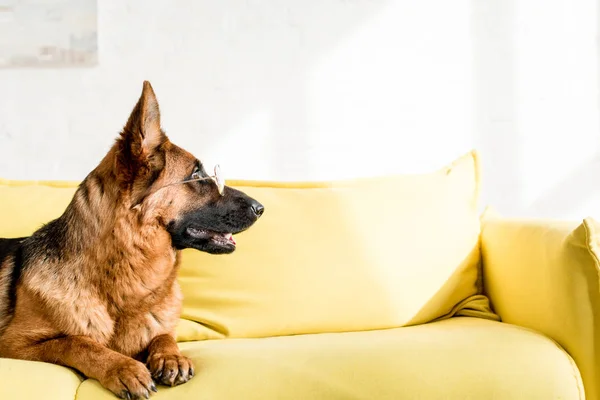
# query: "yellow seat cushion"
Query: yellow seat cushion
{"points": [[24, 380], [325, 257], [459, 358]]}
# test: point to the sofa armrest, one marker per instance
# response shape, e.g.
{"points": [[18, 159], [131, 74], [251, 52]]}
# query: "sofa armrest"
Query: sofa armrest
{"points": [[545, 275]]}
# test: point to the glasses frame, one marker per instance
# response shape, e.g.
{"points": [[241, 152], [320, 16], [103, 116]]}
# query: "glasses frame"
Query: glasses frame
{"points": [[217, 178]]}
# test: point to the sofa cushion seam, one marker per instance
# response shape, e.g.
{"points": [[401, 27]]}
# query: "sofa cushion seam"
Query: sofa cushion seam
{"points": [[77, 390]]}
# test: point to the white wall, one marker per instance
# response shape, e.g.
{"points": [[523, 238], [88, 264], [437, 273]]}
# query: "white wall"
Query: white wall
{"points": [[320, 89]]}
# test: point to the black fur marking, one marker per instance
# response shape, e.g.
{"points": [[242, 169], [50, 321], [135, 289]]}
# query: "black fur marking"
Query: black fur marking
{"points": [[47, 339], [99, 184], [14, 248], [51, 241], [8, 247], [158, 321], [84, 192], [15, 277], [154, 175]]}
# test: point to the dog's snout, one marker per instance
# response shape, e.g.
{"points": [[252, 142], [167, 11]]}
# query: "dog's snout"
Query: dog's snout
{"points": [[257, 208]]}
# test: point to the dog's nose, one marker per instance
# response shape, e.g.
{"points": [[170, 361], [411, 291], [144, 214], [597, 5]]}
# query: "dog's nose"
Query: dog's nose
{"points": [[257, 208]]}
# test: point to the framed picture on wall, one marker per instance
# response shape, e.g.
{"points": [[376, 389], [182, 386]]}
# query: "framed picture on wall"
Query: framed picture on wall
{"points": [[48, 33]]}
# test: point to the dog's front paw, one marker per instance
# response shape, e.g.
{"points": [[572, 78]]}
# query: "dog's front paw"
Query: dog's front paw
{"points": [[170, 369], [129, 379]]}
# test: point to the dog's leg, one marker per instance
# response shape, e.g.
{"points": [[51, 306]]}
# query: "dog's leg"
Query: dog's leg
{"points": [[166, 363], [122, 375]]}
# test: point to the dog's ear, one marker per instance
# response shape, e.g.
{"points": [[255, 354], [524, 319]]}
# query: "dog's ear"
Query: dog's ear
{"points": [[143, 127], [142, 136]]}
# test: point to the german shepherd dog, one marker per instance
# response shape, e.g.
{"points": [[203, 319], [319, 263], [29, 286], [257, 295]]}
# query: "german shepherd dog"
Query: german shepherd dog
{"points": [[96, 288]]}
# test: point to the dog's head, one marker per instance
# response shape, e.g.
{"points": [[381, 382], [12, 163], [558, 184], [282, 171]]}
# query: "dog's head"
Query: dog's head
{"points": [[164, 183]]}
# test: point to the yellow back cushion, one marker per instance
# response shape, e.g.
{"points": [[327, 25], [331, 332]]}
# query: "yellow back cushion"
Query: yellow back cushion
{"points": [[325, 257], [26, 205]]}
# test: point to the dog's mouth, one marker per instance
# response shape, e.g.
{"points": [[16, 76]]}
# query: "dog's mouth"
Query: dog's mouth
{"points": [[218, 238]]}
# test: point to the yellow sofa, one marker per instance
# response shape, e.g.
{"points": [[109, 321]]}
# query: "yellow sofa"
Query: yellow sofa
{"points": [[386, 288]]}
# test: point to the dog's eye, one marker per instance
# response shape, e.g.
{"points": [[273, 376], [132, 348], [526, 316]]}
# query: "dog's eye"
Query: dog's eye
{"points": [[196, 174]]}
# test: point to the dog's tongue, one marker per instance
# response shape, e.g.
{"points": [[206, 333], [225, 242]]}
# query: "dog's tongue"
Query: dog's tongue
{"points": [[229, 237]]}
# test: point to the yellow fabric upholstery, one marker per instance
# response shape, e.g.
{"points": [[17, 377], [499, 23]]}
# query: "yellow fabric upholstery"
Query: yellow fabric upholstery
{"points": [[459, 358], [325, 257], [545, 275], [26, 205], [24, 380], [344, 256], [336, 263]]}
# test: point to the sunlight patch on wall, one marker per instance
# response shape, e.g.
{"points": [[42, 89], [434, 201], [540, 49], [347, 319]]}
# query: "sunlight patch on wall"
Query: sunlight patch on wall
{"points": [[557, 93], [247, 140], [396, 94]]}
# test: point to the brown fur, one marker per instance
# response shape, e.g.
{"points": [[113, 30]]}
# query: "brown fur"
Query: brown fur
{"points": [[97, 290]]}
